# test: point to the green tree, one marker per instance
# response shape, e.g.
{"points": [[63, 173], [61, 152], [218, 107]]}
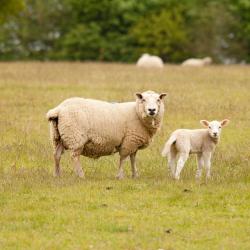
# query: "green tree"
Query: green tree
{"points": [[9, 8], [162, 34]]}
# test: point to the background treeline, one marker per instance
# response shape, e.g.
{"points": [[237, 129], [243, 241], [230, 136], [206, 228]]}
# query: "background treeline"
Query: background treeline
{"points": [[121, 30]]}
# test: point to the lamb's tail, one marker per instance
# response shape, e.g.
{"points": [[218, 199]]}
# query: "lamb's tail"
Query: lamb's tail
{"points": [[52, 116], [167, 147]]}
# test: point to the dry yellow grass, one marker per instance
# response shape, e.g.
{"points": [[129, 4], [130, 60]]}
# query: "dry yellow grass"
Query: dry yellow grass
{"points": [[40, 212]]}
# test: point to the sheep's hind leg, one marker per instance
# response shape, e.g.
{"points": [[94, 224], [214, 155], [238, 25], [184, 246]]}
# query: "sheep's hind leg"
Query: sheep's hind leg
{"points": [[120, 174], [133, 166], [57, 157], [200, 164], [77, 164], [180, 164]]}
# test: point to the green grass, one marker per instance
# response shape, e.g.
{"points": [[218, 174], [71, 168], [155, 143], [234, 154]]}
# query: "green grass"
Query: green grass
{"points": [[38, 211]]}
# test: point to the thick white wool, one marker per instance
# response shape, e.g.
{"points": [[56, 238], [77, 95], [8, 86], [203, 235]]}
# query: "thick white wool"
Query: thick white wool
{"points": [[148, 61], [202, 142], [96, 128], [197, 62]]}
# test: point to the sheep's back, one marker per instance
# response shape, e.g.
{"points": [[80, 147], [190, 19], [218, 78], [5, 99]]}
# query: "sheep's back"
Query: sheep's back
{"points": [[96, 125]]}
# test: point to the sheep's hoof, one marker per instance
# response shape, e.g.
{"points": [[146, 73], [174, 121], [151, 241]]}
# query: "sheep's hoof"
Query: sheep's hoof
{"points": [[135, 176], [120, 177]]}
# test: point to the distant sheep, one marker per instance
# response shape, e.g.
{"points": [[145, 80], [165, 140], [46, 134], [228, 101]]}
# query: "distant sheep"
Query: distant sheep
{"points": [[148, 61], [202, 142], [197, 62], [96, 128]]}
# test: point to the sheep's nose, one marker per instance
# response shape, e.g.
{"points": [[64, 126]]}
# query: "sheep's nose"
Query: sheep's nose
{"points": [[215, 133], [151, 110]]}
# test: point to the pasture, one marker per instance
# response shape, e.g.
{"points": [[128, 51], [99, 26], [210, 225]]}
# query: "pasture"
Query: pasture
{"points": [[38, 211]]}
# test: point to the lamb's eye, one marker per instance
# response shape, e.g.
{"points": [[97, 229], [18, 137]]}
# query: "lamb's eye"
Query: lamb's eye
{"points": [[209, 127], [219, 127], [158, 100], [143, 100]]}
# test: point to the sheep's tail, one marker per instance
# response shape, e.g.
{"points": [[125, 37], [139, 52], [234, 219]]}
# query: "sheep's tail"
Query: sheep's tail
{"points": [[167, 147], [52, 114], [52, 117]]}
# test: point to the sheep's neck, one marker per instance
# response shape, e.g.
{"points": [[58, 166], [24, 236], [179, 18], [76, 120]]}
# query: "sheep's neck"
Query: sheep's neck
{"points": [[151, 124]]}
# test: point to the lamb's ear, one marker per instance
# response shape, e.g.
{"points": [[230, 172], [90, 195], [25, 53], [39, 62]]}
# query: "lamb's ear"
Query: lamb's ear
{"points": [[205, 123], [224, 122], [138, 95], [162, 95]]}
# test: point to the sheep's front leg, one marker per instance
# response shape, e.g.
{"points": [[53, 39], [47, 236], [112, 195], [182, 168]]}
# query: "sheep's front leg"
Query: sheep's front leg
{"points": [[57, 157], [207, 163], [133, 166], [77, 164], [120, 174], [200, 164], [180, 164]]}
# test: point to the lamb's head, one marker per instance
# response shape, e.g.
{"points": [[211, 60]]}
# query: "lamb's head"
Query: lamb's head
{"points": [[214, 127], [207, 60], [149, 104]]}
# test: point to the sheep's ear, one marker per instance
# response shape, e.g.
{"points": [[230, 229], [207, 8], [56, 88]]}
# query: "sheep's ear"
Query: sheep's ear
{"points": [[138, 95], [162, 95], [205, 123], [224, 122]]}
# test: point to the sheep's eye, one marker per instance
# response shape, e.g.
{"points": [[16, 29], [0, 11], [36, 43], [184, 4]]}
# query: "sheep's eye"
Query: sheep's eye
{"points": [[158, 100], [209, 127], [219, 127], [143, 100]]}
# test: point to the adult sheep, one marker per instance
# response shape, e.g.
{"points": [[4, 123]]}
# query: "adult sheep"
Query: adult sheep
{"points": [[97, 128], [149, 61], [197, 62]]}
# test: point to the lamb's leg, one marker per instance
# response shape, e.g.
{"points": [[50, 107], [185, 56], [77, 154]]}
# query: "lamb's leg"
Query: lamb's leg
{"points": [[200, 164], [133, 166], [207, 163], [57, 157], [172, 162], [77, 164], [180, 164], [120, 174]]}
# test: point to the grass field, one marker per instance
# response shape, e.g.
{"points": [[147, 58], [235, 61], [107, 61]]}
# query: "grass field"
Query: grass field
{"points": [[38, 211]]}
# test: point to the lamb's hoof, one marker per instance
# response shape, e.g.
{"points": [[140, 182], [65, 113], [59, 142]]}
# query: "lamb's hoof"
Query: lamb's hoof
{"points": [[176, 178], [120, 177], [81, 175], [197, 179], [208, 178], [57, 174]]}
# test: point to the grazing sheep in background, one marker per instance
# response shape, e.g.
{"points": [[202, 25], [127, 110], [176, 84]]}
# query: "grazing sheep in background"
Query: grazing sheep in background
{"points": [[148, 61], [96, 128], [202, 142], [197, 62]]}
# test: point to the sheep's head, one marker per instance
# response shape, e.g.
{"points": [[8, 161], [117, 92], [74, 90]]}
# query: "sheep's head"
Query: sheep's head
{"points": [[214, 127], [149, 103], [207, 60]]}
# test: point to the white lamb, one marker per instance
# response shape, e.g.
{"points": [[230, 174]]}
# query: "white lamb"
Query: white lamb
{"points": [[96, 128], [202, 142], [197, 62], [148, 61]]}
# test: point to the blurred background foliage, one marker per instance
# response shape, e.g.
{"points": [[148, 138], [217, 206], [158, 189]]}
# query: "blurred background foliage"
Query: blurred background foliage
{"points": [[121, 30]]}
